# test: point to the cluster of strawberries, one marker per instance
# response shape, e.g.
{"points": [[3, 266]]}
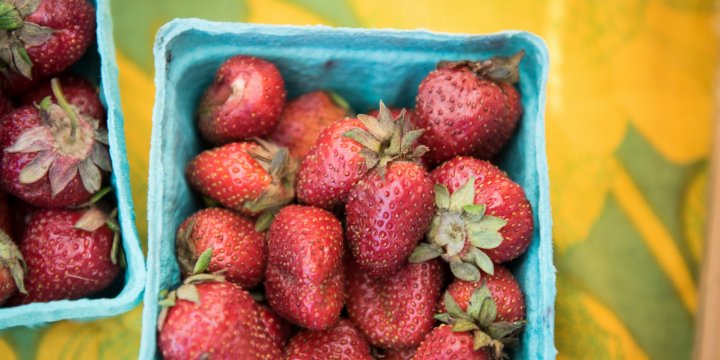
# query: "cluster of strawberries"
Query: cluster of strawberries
{"points": [[395, 217], [54, 158]]}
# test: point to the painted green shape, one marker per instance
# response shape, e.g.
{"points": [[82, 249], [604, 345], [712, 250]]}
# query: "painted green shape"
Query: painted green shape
{"points": [[137, 21], [23, 340], [338, 12], [614, 265], [662, 183], [576, 332]]}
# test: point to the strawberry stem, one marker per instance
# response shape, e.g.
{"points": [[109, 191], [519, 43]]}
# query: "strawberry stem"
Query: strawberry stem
{"points": [[60, 97]]}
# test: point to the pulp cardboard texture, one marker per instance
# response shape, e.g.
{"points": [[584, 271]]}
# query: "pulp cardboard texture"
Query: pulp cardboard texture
{"points": [[99, 66], [364, 66]]}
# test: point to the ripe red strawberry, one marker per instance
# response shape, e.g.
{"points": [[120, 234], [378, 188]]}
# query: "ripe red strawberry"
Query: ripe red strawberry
{"points": [[390, 210], [43, 38], [342, 342], [304, 118], [466, 110], [444, 344], [53, 156], [395, 312], [7, 215], [12, 268], [504, 289], [79, 93], [387, 215], [277, 328], [237, 248], [250, 177], [69, 254], [304, 277], [483, 217], [244, 101], [476, 333], [332, 167], [213, 320]]}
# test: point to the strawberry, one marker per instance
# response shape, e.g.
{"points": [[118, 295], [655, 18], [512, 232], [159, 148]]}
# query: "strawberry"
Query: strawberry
{"points": [[232, 241], [69, 254], [445, 344], [249, 177], [42, 38], [390, 210], [207, 318], [475, 333], [341, 342], [332, 167], [244, 101], [504, 289], [12, 268], [277, 328], [466, 110], [387, 217], [395, 312], [304, 277], [53, 156], [304, 118], [486, 220], [79, 93], [7, 216]]}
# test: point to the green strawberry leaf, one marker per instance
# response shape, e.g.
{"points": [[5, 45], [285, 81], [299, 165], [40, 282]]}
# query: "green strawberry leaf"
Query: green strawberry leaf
{"points": [[488, 312], [442, 197], [482, 261], [465, 195], [480, 340], [463, 326], [503, 329], [474, 209], [203, 261], [464, 271], [424, 252]]}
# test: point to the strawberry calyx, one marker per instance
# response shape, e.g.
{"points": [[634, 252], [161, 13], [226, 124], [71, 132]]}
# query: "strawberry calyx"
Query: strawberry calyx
{"points": [[66, 143], [12, 259], [188, 290], [459, 231], [186, 252], [16, 35], [480, 319], [93, 219], [497, 68], [282, 168], [387, 139]]}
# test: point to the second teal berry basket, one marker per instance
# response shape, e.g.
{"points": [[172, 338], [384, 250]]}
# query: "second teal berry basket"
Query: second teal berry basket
{"points": [[364, 66], [99, 66]]}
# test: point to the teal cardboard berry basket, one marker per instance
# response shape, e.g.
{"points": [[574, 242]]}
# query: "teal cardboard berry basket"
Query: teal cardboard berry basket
{"points": [[99, 66], [363, 66]]}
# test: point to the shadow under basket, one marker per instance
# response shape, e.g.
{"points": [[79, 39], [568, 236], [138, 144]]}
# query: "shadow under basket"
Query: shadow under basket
{"points": [[363, 66], [98, 65]]}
